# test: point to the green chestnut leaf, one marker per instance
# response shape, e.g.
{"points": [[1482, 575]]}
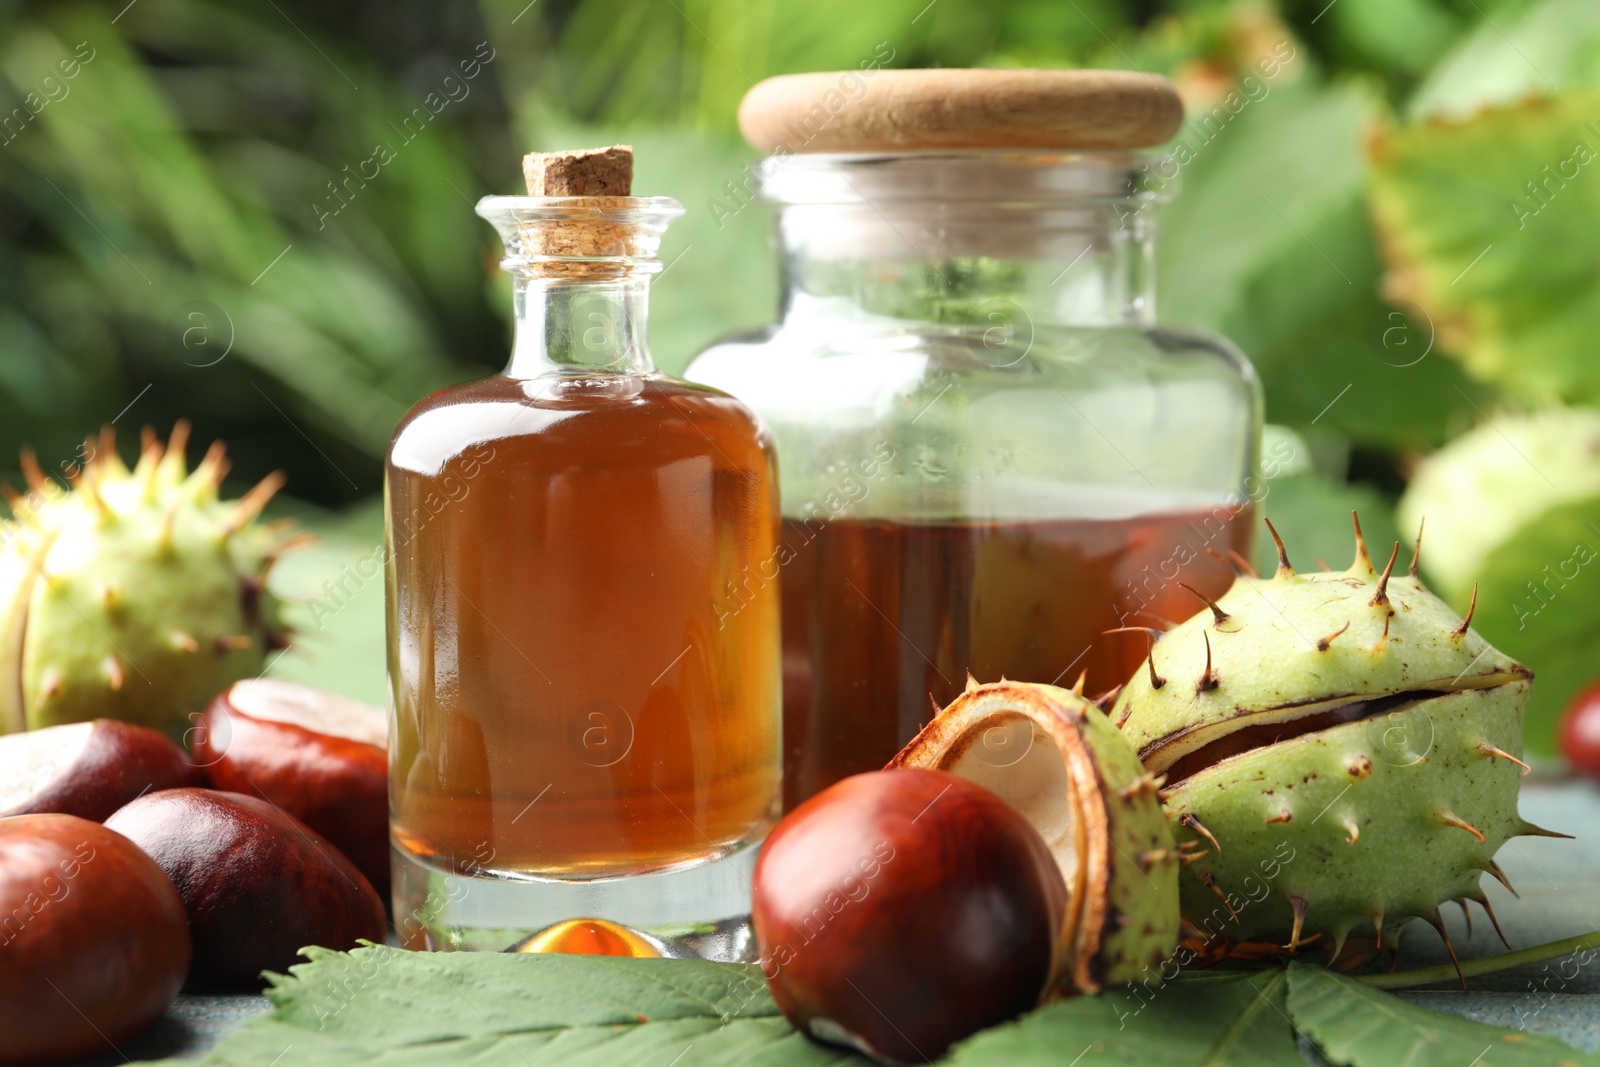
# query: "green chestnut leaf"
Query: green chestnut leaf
{"points": [[1485, 224], [1357, 1026]]}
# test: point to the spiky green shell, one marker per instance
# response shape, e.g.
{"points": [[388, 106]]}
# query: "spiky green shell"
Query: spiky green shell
{"points": [[1284, 647], [1360, 823], [1055, 757], [1482, 487], [1141, 928], [1320, 824], [135, 595]]}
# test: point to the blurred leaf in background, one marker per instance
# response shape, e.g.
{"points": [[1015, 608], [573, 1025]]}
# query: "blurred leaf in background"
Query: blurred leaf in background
{"points": [[1486, 202], [190, 217], [1490, 224], [1269, 246], [334, 595], [1517, 51]]}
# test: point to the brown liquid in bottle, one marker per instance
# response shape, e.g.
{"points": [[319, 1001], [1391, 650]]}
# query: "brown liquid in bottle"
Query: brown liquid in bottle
{"points": [[879, 615], [569, 700]]}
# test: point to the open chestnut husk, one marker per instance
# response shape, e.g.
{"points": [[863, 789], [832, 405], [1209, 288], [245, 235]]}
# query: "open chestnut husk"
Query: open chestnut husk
{"points": [[93, 939], [258, 885], [88, 769], [321, 757], [900, 911], [1056, 758]]}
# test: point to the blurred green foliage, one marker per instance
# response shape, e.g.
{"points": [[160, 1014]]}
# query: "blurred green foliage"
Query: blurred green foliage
{"points": [[198, 187], [259, 215]]}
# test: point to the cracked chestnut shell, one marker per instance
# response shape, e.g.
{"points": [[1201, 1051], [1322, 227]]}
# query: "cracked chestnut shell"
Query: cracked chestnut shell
{"points": [[1341, 751], [258, 885], [1057, 759], [900, 911], [93, 940]]}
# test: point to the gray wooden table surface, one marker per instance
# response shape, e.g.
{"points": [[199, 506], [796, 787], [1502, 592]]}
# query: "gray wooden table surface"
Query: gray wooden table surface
{"points": [[1559, 883]]}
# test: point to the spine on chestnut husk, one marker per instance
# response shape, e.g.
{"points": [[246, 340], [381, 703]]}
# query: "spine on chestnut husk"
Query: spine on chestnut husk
{"points": [[1054, 756], [133, 594], [1340, 752]]}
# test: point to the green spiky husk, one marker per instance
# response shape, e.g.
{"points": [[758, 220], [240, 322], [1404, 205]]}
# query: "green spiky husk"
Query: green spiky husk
{"points": [[1223, 708], [1142, 923], [1266, 655], [1365, 846], [137, 595]]}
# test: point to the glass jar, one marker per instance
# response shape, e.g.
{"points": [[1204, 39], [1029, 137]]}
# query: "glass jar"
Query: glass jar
{"points": [[992, 455], [578, 731]]}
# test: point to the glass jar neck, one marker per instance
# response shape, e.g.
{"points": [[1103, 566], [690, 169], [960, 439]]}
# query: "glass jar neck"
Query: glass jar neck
{"points": [[1066, 240], [587, 327], [1097, 272]]}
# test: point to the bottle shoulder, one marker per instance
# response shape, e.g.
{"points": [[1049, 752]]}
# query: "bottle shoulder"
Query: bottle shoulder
{"points": [[704, 407], [1177, 338], [596, 417]]}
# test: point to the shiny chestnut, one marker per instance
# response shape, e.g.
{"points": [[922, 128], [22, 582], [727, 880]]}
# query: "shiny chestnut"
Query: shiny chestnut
{"points": [[900, 911], [321, 757], [258, 885], [93, 940], [88, 769]]}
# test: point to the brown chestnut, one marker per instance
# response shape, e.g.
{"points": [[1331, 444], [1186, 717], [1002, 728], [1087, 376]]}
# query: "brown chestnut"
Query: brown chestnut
{"points": [[900, 911], [258, 885], [93, 940], [320, 757], [88, 769]]}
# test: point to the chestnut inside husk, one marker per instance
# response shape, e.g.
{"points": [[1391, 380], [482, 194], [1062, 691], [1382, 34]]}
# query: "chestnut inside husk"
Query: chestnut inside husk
{"points": [[1058, 759]]}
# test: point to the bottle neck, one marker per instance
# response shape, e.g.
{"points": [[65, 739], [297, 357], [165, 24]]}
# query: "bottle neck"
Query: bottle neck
{"points": [[1088, 267], [587, 327], [581, 267]]}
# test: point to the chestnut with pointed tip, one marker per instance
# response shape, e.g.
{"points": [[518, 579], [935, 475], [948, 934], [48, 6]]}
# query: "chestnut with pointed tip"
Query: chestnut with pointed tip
{"points": [[93, 940], [88, 769], [258, 885], [321, 757], [900, 911]]}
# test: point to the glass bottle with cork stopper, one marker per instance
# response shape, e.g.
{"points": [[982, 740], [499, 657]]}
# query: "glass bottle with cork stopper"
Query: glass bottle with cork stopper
{"points": [[992, 453], [578, 731]]}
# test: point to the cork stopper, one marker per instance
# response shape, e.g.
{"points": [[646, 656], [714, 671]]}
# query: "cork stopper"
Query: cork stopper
{"points": [[590, 193], [583, 172]]}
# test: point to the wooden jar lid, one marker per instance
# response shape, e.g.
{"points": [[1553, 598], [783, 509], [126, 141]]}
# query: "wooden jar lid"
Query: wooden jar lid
{"points": [[930, 110]]}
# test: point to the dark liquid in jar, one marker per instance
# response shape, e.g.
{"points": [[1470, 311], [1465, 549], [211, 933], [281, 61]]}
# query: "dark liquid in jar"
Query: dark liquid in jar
{"points": [[879, 616]]}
